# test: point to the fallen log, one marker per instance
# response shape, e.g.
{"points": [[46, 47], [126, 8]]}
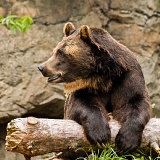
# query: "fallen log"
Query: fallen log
{"points": [[31, 136]]}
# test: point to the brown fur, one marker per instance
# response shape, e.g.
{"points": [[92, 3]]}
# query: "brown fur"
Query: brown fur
{"points": [[100, 76], [91, 84]]}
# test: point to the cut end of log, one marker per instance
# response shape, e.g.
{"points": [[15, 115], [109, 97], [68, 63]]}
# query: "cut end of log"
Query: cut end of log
{"points": [[151, 135], [14, 136], [17, 131], [154, 144]]}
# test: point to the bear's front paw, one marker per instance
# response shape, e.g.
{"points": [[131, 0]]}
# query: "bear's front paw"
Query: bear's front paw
{"points": [[127, 141], [99, 135]]}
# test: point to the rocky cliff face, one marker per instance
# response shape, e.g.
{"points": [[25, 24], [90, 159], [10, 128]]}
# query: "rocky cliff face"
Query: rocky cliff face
{"points": [[23, 90]]}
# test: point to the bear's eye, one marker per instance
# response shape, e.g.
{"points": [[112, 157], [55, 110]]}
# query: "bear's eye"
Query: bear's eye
{"points": [[60, 53], [61, 58]]}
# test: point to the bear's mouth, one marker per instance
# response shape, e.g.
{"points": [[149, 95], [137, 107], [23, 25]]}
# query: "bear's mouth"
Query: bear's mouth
{"points": [[54, 77]]}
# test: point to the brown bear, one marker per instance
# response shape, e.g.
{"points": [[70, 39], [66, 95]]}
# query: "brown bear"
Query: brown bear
{"points": [[100, 76]]}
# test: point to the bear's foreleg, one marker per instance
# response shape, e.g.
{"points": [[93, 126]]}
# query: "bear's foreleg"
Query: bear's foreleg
{"points": [[94, 122], [95, 126], [86, 110], [135, 117]]}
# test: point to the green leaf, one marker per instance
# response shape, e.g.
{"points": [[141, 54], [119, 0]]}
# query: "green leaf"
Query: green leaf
{"points": [[12, 17], [30, 20], [13, 28], [14, 23], [19, 26], [7, 22], [3, 20]]}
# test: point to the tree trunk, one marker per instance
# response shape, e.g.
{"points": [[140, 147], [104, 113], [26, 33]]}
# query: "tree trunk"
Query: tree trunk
{"points": [[31, 136]]}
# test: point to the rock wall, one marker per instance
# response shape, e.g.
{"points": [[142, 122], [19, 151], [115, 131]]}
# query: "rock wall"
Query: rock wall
{"points": [[23, 90]]}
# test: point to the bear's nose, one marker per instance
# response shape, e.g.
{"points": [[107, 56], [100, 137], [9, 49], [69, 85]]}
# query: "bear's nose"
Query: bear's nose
{"points": [[40, 67]]}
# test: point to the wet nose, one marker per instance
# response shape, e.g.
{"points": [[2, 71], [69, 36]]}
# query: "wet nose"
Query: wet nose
{"points": [[40, 67]]}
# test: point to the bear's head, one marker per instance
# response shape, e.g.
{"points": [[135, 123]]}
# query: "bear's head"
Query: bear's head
{"points": [[83, 59]]}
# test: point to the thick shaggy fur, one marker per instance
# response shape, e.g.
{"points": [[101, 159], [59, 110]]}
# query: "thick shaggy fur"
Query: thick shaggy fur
{"points": [[100, 76]]}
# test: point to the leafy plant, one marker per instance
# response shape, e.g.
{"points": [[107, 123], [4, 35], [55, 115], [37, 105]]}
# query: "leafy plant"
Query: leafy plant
{"points": [[106, 154], [14, 23], [110, 154]]}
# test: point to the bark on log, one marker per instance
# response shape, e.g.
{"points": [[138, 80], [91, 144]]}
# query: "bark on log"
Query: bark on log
{"points": [[31, 136]]}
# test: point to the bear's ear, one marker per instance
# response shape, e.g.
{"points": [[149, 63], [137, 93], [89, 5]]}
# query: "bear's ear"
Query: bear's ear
{"points": [[90, 36], [68, 29], [85, 33]]}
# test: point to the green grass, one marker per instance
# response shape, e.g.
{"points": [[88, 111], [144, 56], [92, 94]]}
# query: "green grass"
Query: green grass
{"points": [[110, 154]]}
